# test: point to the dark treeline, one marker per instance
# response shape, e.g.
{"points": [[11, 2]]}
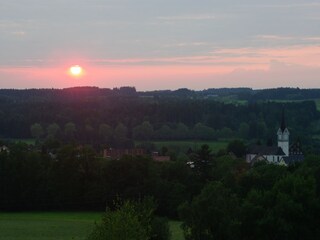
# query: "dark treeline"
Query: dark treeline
{"points": [[121, 116], [93, 92], [220, 198], [77, 179]]}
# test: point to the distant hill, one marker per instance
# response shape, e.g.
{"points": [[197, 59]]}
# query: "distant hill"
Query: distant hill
{"points": [[247, 94]]}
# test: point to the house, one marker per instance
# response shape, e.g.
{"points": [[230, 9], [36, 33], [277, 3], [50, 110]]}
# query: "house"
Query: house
{"points": [[159, 158], [119, 153], [283, 154], [4, 149]]}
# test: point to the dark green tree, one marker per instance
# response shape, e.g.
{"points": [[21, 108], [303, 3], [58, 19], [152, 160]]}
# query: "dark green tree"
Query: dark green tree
{"points": [[53, 130], [143, 132], [131, 220], [237, 147], [105, 133], [290, 210], [203, 162], [214, 214], [36, 131]]}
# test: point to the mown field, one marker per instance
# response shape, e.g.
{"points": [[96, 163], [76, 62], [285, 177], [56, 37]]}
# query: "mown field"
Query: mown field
{"points": [[317, 101], [183, 146], [56, 226], [30, 141], [46, 226]]}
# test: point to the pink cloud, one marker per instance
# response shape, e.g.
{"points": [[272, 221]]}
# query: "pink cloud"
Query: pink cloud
{"points": [[253, 67]]}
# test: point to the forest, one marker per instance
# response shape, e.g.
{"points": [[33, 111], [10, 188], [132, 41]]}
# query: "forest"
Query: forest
{"points": [[122, 117], [221, 197]]}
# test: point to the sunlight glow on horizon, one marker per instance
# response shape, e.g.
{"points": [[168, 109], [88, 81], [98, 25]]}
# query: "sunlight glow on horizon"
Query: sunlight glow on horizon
{"points": [[225, 67]]}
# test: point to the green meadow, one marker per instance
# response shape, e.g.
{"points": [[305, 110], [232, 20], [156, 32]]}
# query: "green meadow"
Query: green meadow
{"points": [[317, 101], [183, 146], [46, 226], [56, 226]]}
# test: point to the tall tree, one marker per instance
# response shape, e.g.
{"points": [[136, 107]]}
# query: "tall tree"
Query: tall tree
{"points": [[36, 131], [52, 130], [214, 214], [70, 130], [105, 132], [131, 220], [144, 131]]}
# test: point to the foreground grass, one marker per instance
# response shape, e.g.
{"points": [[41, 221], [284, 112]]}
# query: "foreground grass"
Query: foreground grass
{"points": [[56, 226], [176, 231], [46, 226]]}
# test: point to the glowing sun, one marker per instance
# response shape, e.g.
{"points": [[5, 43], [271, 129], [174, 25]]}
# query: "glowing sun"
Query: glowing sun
{"points": [[76, 70]]}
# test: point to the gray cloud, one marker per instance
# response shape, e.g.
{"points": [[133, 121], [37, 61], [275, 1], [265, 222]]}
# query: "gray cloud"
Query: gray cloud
{"points": [[152, 30]]}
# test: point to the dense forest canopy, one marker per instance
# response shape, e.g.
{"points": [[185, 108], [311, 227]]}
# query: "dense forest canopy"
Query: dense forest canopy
{"points": [[119, 117]]}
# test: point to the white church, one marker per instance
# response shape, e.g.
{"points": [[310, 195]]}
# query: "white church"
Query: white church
{"points": [[283, 154]]}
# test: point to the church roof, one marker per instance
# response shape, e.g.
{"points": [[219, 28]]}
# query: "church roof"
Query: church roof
{"points": [[266, 150]]}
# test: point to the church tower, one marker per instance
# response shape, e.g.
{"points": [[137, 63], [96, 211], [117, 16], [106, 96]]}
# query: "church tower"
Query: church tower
{"points": [[283, 136]]}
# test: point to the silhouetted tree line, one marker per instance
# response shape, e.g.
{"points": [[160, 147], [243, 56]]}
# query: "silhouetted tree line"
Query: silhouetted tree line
{"points": [[121, 116], [221, 197], [76, 178]]}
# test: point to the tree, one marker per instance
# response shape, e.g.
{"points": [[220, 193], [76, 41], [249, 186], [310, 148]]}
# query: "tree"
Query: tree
{"points": [[203, 160], [120, 134], [131, 220], [229, 170], [182, 132], [211, 215], [226, 133], [70, 130], [244, 130], [121, 224], [36, 131], [203, 132], [105, 132], [89, 133], [262, 176], [290, 210], [261, 129], [52, 130], [237, 147], [143, 131], [165, 132]]}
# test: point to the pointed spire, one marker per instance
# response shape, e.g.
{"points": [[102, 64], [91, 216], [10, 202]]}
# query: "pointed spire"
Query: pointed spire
{"points": [[283, 122]]}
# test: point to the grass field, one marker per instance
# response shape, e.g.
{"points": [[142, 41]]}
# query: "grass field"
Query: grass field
{"points": [[183, 146], [56, 226], [46, 226], [317, 101], [30, 141], [318, 104], [233, 101]]}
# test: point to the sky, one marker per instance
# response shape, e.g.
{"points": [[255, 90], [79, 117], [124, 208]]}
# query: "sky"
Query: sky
{"points": [[160, 44]]}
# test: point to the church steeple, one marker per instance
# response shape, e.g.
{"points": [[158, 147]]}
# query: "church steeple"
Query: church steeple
{"points": [[283, 121], [283, 135]]}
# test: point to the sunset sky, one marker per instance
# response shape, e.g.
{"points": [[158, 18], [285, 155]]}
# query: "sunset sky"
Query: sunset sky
{"points": [[160, 44]]}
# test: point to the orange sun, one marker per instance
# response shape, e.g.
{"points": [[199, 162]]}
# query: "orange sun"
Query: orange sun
{"points": [[76, 71]]}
